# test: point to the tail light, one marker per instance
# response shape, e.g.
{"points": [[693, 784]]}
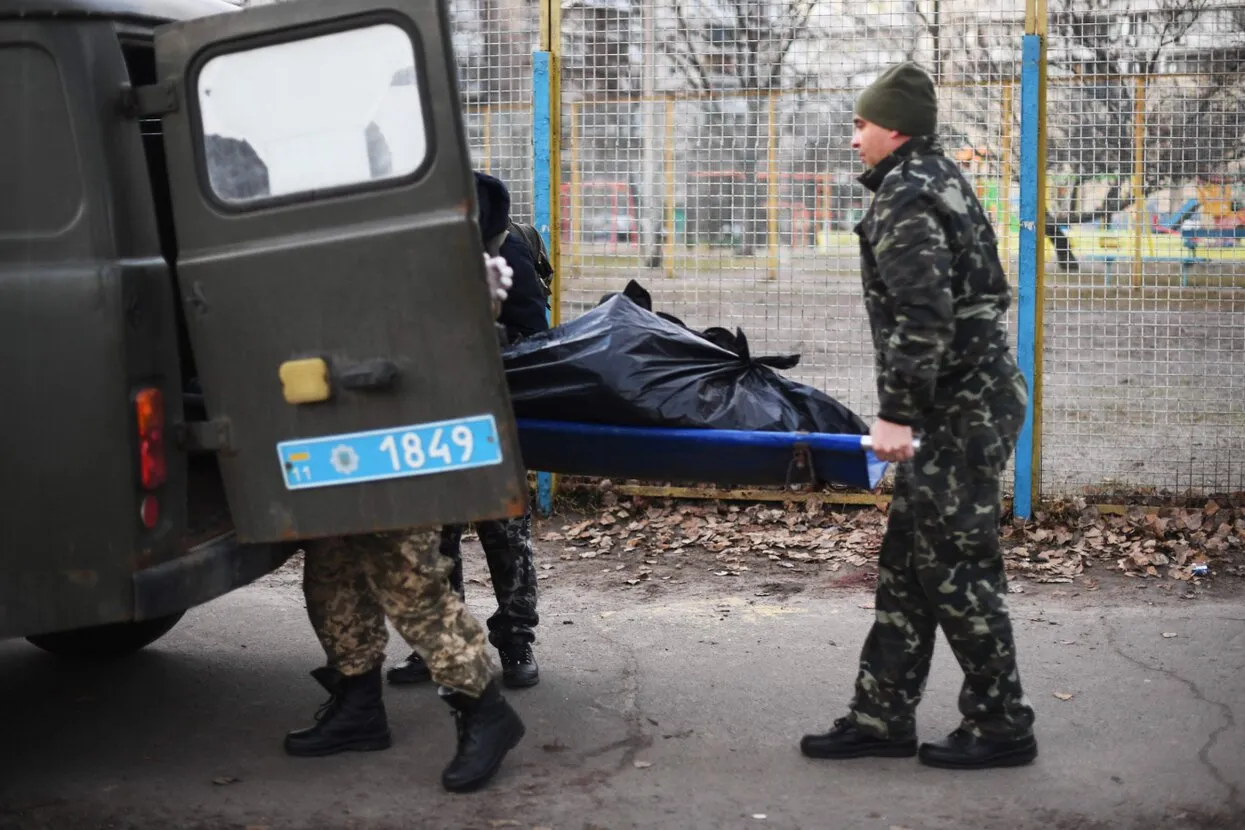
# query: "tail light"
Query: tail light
{"points": [[149, 409], [149, 512]]}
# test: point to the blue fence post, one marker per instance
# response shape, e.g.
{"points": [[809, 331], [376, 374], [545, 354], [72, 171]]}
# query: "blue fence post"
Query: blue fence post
{"points": [[543, 152], [1032, 249]]}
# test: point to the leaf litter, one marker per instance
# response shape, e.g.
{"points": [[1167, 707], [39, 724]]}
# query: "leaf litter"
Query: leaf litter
{"points": [[1059, 545]]}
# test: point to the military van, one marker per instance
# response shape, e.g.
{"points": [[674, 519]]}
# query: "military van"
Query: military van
{"points": [[242, 302]]}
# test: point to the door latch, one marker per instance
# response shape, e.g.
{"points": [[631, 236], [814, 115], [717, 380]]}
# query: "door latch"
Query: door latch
{"points": [[148, 101], [378, 373]]}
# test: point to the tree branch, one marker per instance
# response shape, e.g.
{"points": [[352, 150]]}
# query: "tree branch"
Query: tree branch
{"points": [[684, 32], [800, 23]]}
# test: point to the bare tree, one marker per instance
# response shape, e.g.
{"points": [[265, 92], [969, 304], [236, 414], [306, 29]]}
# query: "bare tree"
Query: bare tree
{"points": [[1110, 62], [737, 49], [1113, 66]]}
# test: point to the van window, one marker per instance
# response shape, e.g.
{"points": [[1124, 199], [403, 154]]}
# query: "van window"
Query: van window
{"points": [[310, 115], [40, 178]]}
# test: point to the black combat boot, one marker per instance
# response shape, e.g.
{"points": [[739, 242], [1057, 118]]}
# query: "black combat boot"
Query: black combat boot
{"points": [[410, 671], [518, 666], [964, 750], [487, 729], [846, 740], [353, 718]]}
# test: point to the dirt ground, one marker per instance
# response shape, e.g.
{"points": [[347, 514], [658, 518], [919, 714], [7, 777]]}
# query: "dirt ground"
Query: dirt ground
{"points": [[659, 549], [663, 547]]}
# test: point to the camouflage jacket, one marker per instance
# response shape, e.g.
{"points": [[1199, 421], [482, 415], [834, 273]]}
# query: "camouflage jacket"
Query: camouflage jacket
{"points": [[935, 291]]}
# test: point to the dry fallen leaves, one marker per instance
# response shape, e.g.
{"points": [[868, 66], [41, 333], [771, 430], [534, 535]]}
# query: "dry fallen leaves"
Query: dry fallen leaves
{"points": [[1060, 545], [1064, 695], [794, 538], [1172, 542]]}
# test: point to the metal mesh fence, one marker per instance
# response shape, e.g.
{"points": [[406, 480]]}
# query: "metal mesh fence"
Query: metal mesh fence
{"points": [[1145, 316], [493, 42], [706, 153]]}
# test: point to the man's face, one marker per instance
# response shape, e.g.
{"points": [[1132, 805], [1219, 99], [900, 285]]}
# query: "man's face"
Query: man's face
{"points": [[873, 143]]}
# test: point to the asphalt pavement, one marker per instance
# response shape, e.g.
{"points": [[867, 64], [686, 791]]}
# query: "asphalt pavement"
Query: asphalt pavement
{"points": [[669, 713]]}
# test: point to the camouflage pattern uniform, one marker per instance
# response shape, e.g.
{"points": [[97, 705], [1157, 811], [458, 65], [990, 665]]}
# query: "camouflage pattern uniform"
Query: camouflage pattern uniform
{"points": [[352, 583], [507, 547], [936, 297]]}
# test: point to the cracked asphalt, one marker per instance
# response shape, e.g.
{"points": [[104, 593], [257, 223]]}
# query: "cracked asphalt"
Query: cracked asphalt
{"points": [[675, 712]]}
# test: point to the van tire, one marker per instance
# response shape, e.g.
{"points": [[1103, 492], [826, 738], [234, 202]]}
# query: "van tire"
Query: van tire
{"points": [[106, 641]]}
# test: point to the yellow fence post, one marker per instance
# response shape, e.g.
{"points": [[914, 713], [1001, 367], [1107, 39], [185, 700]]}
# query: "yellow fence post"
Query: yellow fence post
{"points": [[671, 191], [488, 139], [577, 188], [772, 201], [551, 43], [1139, 170], [1005, 186]]}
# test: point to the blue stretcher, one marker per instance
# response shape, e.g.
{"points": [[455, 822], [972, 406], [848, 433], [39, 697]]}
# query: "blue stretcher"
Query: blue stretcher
{"points": [[699, 456]]}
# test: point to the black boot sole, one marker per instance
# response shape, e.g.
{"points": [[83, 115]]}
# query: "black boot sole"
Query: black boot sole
{"points": [[1017, 757], [469, 786], [359, 745], [512, 682], [406, 677], [894, 751]]}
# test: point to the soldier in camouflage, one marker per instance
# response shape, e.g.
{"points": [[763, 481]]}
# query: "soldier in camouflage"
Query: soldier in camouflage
{"points": [[507, 543], [508, 551], [351, 585], [936, 296]]}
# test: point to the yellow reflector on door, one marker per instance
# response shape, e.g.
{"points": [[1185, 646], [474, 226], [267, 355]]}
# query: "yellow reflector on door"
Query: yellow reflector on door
{"points": [[305, 381]]}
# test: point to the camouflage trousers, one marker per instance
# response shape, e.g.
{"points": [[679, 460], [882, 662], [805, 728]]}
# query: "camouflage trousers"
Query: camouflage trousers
{"points": [[507, 547], [353, 583], [941, 565]]}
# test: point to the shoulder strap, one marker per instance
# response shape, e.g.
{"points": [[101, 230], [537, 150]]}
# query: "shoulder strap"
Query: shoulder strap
{"points": [[536, 244]]}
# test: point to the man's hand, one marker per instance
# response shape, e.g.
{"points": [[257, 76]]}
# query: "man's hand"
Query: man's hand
{"points": [[891, 442], [500, 281]]}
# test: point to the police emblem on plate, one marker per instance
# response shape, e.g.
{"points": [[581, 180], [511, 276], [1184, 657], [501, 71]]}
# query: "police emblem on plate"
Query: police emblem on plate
{"points": [[345, 460]]}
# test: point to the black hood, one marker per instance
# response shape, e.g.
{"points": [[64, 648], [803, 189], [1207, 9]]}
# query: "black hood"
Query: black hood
{"points": [[493, 201]]}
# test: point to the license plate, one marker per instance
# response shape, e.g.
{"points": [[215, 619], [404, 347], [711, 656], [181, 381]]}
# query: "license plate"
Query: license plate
{"points": [[398, 452]]}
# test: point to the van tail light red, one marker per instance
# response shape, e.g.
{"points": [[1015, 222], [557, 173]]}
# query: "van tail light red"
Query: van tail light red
{"points": [[149, 512], [149, 409]]}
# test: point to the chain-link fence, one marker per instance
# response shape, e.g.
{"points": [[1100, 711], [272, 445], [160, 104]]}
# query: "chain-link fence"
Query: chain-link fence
{"points": [[494, 41], [1145, 319], [706, 154]]}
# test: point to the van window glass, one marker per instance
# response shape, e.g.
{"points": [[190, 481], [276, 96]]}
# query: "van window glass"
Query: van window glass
{"points": [[308, 115]]}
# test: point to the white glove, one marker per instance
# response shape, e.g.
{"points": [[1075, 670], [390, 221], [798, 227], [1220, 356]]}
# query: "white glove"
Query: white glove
{"points": [[500, 281]]}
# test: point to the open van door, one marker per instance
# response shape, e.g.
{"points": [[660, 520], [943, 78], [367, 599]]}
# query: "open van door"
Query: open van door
{"points": [[332, 271]]}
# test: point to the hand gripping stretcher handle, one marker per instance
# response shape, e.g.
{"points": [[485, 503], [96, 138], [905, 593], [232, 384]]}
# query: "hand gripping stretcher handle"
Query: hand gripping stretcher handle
{"points": [[866, 443]]}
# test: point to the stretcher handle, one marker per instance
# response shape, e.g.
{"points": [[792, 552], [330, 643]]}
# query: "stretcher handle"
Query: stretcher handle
{"points": [[866, 443]]}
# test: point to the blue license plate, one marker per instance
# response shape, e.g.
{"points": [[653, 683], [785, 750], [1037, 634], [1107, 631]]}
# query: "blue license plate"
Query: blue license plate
{"points": [[399, 452]]}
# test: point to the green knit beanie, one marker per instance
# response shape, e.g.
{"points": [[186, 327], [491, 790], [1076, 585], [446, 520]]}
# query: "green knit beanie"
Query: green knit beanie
{"points": [[901, 99]]}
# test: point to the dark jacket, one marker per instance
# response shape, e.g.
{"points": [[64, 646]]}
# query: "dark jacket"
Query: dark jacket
{"points": [[524, 312], [935, 290]]}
